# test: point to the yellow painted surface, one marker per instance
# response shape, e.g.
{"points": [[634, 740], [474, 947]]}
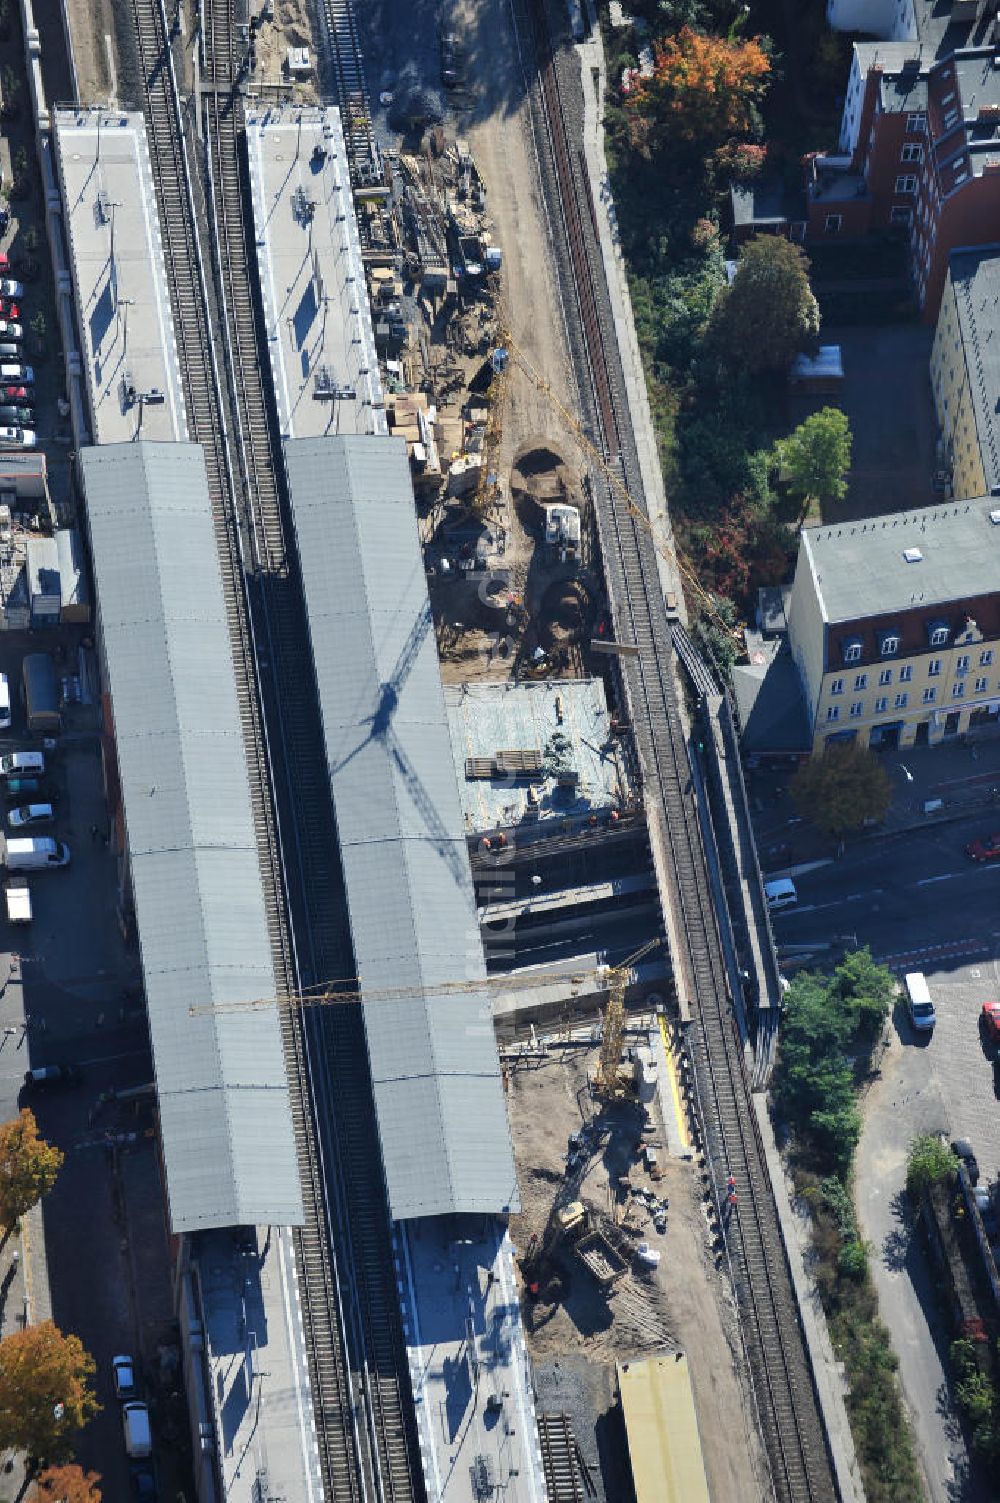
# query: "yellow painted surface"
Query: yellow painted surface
{"points": [[675, 1089], [662, 1429]]}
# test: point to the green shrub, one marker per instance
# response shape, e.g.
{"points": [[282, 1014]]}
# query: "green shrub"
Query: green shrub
{"points": [[930, 1160]]}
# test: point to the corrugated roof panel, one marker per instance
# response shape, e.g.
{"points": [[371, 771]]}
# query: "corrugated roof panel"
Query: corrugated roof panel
{"points": [[226, 1127], [441, 1114]]}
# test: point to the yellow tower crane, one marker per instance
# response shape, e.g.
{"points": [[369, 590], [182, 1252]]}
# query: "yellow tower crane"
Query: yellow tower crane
{"points": [[613, 1030]]}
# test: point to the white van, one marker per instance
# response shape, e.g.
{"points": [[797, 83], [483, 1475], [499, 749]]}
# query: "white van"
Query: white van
{"points": [[780, 893], [17, 374], [5, 716], [18, 898], [138, 1434], [35, 853], [918, 1001], [22, 764]]}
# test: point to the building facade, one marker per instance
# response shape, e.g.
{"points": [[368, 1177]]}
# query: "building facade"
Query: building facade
{"points": [[919, 151], [965, 372], [894, 625]]}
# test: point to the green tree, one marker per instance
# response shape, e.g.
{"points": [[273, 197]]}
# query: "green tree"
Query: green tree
{"points": [[45, 1392], [930, 1160], [842, 788], [814, 1086], [29, 1167], [769, 314], [865, 990], [816, 457]]}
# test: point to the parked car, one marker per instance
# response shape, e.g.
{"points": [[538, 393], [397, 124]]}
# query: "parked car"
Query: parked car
{"points": [[16, 394], [123, 1377], [143, 1482], [21, 764], [16, 415], [10, 288], [990, 1020], [18, 788], [962, 1149], [36, 853], [986, 848], [919, 1003], [14, 370], [30, 814], [9, 309], [138, 1434], [5, 714], [10, 330], [21, 438], [51, 1077]]}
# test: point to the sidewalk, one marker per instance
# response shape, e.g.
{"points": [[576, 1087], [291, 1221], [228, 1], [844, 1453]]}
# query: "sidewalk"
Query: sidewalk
{"points": [[961, 775]]}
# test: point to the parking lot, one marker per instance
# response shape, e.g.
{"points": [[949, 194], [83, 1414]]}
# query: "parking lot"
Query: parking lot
{"points": [[96, 1250]]}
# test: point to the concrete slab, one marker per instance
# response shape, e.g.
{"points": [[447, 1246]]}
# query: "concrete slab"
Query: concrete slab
{"points": [[316, 313], [469, 1369], [116, 260], [568, 721], [244, 1287]]}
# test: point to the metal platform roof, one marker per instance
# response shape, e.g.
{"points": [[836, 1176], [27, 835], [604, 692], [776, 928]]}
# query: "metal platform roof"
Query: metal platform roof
{"points": [[319, 332], [116, 256], [441, 1114], [225, 1121]]}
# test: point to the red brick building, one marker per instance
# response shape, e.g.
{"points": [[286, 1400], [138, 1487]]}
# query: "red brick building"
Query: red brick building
{"points": [[919, 148]]}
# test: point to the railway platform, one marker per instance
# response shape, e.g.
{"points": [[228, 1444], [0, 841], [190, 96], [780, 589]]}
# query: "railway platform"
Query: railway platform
{"points": [[131, 369]]}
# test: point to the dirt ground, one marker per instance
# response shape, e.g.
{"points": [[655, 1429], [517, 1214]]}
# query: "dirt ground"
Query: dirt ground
{"points": [[685, 1304], [91, 22]]}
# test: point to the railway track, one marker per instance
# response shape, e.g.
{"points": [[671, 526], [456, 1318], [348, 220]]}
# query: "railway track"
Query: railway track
{"points": [[334, 1072], [780, 1373]]}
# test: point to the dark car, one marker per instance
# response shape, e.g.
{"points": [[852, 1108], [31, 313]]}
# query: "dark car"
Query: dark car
{"points": [[986, 848], [962, 1149], [21, 417], [18, 789], [143, 1482], [51, 1077]]}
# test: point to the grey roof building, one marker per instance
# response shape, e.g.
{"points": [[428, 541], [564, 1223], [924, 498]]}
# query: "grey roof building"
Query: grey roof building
{"points": [[441, 1114], [225, 1121]]}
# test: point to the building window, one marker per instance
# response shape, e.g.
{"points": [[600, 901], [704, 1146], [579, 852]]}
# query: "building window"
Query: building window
{"points": [[902, 701], [912, 154], [852, 650], [885, 677], [937, 634], [906, 674], [914, 123], [857, 709], [889, 644], [962, 663], [957, 690], [982, 685], [900, 216], [860, 682], [934, 668], [906, 183], [833, 224], [930, 695], [837, 687], [986, 658], [881, 705], [833, 713]]}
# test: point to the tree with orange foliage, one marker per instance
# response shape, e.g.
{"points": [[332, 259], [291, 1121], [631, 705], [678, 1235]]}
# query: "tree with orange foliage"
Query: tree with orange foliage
{"points": [[702, 91], [45, 1392], [28, 1167], [67, 1484]]}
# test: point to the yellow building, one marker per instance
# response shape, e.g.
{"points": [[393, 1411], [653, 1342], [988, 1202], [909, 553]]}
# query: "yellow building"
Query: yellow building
{"points": [[894, 625], [965, 371], [662, 1429]]}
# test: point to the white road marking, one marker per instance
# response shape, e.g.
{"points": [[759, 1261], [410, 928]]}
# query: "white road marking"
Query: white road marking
{"points": [[927, 881]]}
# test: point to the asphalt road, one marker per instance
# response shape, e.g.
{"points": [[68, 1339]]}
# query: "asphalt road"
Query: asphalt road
{"points": [[906, 897]]}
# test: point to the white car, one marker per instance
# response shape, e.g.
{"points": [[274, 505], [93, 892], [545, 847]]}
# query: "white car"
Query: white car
{"points": [[30, 814], [123, 1374], [5, 718], [11, 331], [24, 438], [10, 288]]}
